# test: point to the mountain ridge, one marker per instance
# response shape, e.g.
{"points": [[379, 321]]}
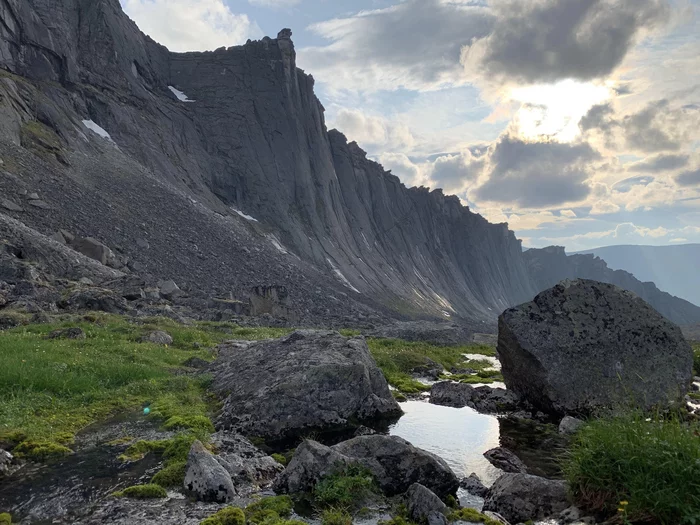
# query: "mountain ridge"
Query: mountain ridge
{"points": [[272, 191]]}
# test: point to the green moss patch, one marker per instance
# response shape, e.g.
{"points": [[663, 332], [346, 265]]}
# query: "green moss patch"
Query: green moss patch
{"points": [[473, 516], [40, 450], [398, 358], [280, 458], [227, 516], [150, 491], [172, 475], [199, 423], [5, 519]]}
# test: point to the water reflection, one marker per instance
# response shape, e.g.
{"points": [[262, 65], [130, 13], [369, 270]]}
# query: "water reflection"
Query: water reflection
{"points": [[458, 435]]}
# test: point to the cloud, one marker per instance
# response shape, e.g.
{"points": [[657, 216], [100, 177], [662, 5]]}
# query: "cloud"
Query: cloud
{"points": [[604, 207], [661, 163], [568, 213], [453, 172], [275, 4], [409, 172], [689, 178], [537, 174], [547, 40], [371, 131], [191, 25], [659, 126], [414, 44]]}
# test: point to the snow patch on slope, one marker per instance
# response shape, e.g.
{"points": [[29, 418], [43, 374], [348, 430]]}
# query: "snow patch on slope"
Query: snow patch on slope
{"points": [[342, 278], [180, 95], [89, 124], [247, 217]]}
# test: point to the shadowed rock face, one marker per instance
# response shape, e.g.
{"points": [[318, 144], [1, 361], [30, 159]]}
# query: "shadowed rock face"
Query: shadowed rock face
{"points": [[585, 346], [307, 381], [240, 188]]}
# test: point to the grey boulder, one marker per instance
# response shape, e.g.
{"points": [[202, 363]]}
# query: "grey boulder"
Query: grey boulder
{"points": [[169, 290], [394, 462], [522, 497], [505, 460], [422, 502], [474, 486], [205, 478], [307, 381], [570, 425], [584, 346], [158, 337]]}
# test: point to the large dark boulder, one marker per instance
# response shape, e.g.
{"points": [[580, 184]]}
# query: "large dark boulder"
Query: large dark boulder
{"points": [[395, 463], [307, 381], [584, 346], [484, 398]]}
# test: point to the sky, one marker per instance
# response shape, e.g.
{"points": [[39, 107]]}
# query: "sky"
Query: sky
{"points": [[577, 122]]}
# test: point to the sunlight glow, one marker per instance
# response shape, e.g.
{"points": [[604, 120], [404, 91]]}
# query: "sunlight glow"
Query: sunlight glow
{"points": [[553, 111]]}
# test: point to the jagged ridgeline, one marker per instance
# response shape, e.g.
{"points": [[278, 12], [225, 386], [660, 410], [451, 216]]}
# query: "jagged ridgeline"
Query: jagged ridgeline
{"points": [[222, 163]]}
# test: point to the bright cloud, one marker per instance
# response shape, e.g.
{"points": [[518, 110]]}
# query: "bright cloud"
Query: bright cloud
{"points": [[191, 25]]}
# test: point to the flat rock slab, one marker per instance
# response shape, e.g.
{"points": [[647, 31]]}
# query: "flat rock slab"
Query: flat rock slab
{"points": [[307, 381], [585, 346]]}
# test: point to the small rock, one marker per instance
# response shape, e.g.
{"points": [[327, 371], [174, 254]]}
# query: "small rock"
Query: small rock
{"points": [[364, 431], [58, 237], [196, 362], [570, 425], [505, 460], [95, 300], [496, 517], [421, 502], [169, 290], [474, 486], [33, 196], [573, 515], [142, 243], [437, 518], [6, 460], [86, 281], [67, 333], [205, 478], [522, 497], [11, 206], [92, 248], [158, 337]]}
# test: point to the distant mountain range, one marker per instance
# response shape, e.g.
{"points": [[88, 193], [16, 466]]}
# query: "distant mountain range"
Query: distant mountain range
{"points": [[674, 269]]}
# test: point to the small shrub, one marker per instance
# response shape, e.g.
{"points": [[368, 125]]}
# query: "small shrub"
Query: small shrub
{"points": [[172, 475], [272, 508], [279, 458], [346, 488], [336, 516], [472, 516], [651, 463], [227, 516], [399, 396], [142, 492]]}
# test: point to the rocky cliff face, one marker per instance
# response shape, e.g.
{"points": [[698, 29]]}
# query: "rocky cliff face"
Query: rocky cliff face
{"points": [[223, 162]]}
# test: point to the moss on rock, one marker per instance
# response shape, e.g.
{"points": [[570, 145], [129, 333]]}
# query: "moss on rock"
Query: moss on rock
{"points": [[150, 491]]}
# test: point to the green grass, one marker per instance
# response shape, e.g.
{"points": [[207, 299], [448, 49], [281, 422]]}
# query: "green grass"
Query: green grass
{"points": [[5, 519], [142, 492], [336, 516], [397, 358], [279, 458], [270, 510], [652, 464], [347, 488], [50, 389]]}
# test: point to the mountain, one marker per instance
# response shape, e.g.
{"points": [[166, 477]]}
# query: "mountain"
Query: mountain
{"points": [[673, 269], [216, 169]]}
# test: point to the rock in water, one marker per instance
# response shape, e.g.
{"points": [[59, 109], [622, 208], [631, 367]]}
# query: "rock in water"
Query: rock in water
{"points": [[583, 346], [474, 485], [522, 497], [505, 460], [309, 380], [206, 479], [394, 462]]}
